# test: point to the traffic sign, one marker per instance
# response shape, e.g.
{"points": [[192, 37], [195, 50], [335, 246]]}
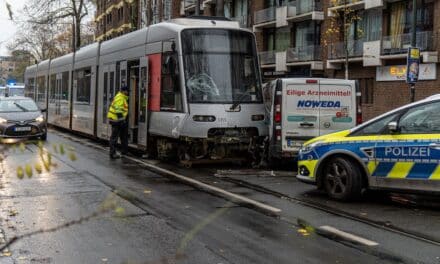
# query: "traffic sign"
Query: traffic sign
{"points": [[412, 65]]}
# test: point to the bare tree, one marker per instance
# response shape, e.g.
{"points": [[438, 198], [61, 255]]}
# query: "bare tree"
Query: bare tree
{"points": [[50, 12], [38, 40]]}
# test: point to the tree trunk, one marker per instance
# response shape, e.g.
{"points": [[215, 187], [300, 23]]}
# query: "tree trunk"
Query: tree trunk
{"points": [[197, 8], [77, 33], [220, 8]]}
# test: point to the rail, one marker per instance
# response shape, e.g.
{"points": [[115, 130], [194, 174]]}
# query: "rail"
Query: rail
{"points": [[305, 53], [338, 50], [265, 15], [267, 57], [398, 44]]}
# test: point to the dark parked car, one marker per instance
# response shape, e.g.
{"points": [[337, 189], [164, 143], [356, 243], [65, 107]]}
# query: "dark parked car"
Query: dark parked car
{"points": [[20, 117]]}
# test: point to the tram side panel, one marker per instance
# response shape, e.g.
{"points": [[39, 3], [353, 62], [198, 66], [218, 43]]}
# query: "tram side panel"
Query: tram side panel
{"points": [[42, 84], [59, 96], [84, 88]]}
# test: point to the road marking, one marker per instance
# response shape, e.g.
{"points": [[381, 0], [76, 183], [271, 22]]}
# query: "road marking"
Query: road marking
{"points": [[346, 236], [228, 195]]}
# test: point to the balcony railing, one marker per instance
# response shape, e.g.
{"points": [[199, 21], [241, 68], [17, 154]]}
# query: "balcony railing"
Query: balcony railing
{"points": [[337, 50], [267, 57], [306, 53], [334, 3], [188, 3], [400, 43], [305, 6], [265, 15], [242, 20]]}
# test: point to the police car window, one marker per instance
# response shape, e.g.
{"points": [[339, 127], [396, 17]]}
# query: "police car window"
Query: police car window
{"points": [[375, 128], [424, 119]]}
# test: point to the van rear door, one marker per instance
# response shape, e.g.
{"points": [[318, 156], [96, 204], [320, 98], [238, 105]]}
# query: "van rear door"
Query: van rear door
{"points": [[337, 105], [300, 116]]}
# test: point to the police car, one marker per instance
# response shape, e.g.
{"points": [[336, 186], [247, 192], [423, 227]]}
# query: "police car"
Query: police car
{"points": [[399, 150]]}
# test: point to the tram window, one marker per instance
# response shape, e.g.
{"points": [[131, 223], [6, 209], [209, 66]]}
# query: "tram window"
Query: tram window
{"points": [[112, 84], [144, 101], [83, 83], [30, 86], [170, 95], [123, 78], [41, 88], [52, 88], [104, 98], [64, 86]]}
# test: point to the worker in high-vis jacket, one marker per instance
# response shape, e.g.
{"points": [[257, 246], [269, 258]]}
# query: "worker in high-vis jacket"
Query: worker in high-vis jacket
{"points": [[117, 116]]}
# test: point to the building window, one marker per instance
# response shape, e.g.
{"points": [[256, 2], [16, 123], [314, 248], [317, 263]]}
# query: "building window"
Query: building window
{"points": [[366, 87], [400, 17], [109, 18], [120, 14], [278, 39], [166, 7]]}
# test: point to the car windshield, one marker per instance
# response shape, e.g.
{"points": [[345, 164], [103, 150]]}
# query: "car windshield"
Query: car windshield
{"points": [[18, 105], [220, 66]]}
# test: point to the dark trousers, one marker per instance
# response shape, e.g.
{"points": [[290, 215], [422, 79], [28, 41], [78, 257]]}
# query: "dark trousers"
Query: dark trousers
{"points": [[119, 130]]}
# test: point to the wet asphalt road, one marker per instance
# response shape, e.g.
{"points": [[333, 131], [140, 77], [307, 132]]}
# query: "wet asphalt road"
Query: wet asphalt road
{"points": [[161, 220]]}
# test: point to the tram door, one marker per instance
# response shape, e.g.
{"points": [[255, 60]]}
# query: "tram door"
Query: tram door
{"points": [[107, 97], [58, 95], [143, 101], [133, 105]]}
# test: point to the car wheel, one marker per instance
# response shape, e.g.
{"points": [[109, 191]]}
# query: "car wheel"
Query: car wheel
{"points": [[342, 179]]}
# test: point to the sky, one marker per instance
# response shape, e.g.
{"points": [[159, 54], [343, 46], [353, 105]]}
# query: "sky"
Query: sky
{"points": [[8, 27]]}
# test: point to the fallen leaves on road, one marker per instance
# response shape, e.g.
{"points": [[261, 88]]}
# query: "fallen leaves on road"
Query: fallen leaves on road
{"points": [[147, 191], [20, 172], [6, 253]]}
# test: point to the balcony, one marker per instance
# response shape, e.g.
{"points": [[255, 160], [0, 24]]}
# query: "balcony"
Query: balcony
{"points": [[267, 58], [190, 5], [298, 56], [301, 10], [265, 16], [302, 54], [400, 43], [338, 51], [242, 20]]}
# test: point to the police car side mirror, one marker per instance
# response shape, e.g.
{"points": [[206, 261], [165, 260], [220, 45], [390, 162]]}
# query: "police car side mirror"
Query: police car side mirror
{"points": [[392, 127]]}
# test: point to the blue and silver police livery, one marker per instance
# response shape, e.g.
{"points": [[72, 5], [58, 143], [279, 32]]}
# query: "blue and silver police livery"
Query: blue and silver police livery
{"points": [[399, 150]]}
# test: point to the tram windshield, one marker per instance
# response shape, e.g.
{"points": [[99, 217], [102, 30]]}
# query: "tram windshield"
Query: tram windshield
{"points": [[220, 66]]}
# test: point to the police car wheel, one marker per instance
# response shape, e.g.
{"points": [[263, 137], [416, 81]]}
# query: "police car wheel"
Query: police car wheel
{"points": [[342, 179]]}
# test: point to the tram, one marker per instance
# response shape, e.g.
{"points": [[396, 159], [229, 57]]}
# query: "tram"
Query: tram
{"points": [[195, 89]]}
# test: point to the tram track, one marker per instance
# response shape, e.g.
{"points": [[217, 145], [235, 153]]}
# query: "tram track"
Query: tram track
{"points": [[333, 211], [261, 189]]}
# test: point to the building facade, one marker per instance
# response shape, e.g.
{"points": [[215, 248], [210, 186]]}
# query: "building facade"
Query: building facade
{"points": [[117, 17], [306, 38]]}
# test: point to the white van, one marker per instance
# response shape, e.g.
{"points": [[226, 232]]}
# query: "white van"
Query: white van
{"points": [[299, 109]]}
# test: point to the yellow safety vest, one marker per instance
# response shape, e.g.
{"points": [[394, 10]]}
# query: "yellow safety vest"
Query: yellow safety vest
{"points": [[118, 106]]}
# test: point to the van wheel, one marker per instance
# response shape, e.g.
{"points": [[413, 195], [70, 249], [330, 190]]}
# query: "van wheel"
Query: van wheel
{"points": [[342, 179]]}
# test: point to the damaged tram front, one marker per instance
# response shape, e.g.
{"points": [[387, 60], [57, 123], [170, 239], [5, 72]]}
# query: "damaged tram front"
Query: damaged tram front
{"points": [[212, 99]]}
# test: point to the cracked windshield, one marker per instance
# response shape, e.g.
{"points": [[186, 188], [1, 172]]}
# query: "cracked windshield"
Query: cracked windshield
{"points": [[219, 131]]}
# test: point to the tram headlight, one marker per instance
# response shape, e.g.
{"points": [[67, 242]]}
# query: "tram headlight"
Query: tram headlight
{"points": [[203, 118]]}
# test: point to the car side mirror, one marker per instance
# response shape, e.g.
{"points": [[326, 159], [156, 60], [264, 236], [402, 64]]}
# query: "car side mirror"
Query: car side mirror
{"points": [[392, 127]]}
